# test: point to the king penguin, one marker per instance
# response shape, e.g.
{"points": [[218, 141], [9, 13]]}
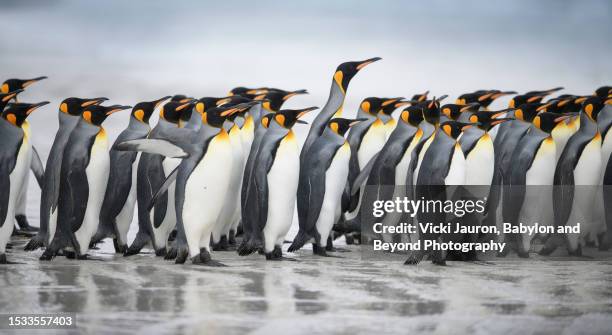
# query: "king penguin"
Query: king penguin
{"points": [[530, 180], [335, 102], [156, 221], [69, 114], [386, 115], [120, 196], [83, 179], [15, 157], [201, 180], [322, 184], [576, 176], [276, 176]]}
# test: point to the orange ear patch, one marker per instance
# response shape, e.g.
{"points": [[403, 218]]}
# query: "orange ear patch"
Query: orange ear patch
{"points": [[87, 116], [139, 115]]}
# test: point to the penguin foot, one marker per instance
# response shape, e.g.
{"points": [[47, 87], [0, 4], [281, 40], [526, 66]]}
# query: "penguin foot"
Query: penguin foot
{"points": [[438, 261], [119, 248], [577, 252], [522, 254], [231, 238], [320, 251], [335, 249], [35, 243], [604, 243], [23, 223], [349, 239], [181, 256], [203, 258], [132, 251], [160, 252], [86, 257], [47, 255], [222, 245], [70, 254], [277, 255], [171, 253]]}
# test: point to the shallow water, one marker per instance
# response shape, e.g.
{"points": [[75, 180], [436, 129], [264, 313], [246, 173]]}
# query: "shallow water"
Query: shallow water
{"points": [[147, 295]]}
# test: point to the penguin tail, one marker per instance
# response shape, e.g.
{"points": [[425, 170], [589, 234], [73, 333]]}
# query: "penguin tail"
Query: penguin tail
{"points": [[300, 239], [38, 241], [249, 246]]}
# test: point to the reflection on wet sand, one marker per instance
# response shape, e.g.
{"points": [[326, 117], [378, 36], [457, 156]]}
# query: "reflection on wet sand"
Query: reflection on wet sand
{"points": [[145, 294]]}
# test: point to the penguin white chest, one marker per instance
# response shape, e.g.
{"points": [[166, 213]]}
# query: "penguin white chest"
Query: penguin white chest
{"points": [[335, 180], [372, 142], [402, 167], [606, 151], [16, 181], [456, 170], [588, 168], [282, 190], [541, 171], [97, 178], [480, 162]]}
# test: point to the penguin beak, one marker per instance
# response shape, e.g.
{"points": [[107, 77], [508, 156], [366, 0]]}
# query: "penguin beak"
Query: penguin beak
{"points": [[32, 81], [357, 121], [94, 101], [469, 108], [392, 100], [306, 110], [294, 93], [159, 101], [498, 121], [36, 106], [501, 94], [442, 97], [223, 101], [117, 108], [184, 104], [544, 107], [11, 95], [366, 62], [580, 100], [301, 121], [423, 96]]}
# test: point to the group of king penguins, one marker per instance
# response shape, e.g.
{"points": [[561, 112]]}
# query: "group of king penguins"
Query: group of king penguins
{"points": [[226, 173]]}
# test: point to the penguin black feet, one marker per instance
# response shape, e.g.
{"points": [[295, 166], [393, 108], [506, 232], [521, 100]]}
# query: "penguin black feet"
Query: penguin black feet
{"points": [[23, 223], [231, 238], [47, 255], [604, 243], [330, 246], [181, 255], [170, 253], [277, 255], [160, 252], [3, 260], [223, 245], [414, 258], [320, 251], [203, 258], [119, 249], [35, 242], [139, 242]]}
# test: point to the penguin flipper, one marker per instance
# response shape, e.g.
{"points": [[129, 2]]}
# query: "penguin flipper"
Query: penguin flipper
{"points": [[164, 187], [154, 146], [5, 186], [37, 167], [363, 175], [74, 206]]}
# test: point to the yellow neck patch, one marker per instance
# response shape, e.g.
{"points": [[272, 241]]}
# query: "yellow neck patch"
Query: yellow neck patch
{"points": [[139, 115], [537, 122], [280, 118], [87, 116], [200, 107]]}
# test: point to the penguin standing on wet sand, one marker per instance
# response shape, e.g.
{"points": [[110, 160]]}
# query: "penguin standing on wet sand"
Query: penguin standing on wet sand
{"points": [[578, 170], [15, 157], [120, 197], [69, 114], [201, 180], [276, 175], [83, 180]]}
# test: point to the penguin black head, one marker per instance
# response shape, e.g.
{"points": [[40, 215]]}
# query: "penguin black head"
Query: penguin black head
{"points": [[431, 111], [412, 115], [96, 114], [275, 98], [216, 116], [173, 110], [180, 98], [373, 105], [287, 118], [452, 111], [6, 97], [531, 96], [603, 92], [248, 92], [592, 106], [547, 121], [420, 97], [142, 111], [75, 106], [17, 113], [557, 105], [454, 128], [487, 119], [389, 107], [341, 125], [483, 97], [526, 112], [346, 71], [11, 85]]}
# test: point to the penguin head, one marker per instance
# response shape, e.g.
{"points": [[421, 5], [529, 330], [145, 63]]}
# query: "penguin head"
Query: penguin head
{"points": [[591, 106], [452, 111], [216, 116], [531, 96], [488, 119], [412, 115], [142, 111], [556, 105], [266, 119], [6, 97], [11, 85], [431, 111], [75, 106], [274, 99], [483, 97], [389, 106], [17, 113], [454, 128], [420, 97], [173, 110], [341, 125], [248, 92], [603, 92], [547, 121], [373, 105], [526, 112], [346, 71], [96, 114], [287, 118]]}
